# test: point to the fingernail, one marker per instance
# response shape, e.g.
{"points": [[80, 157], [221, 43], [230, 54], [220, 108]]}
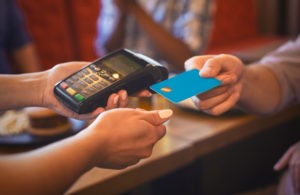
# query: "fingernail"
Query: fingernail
{"points": [[116, 99], [124, 95], [165, 113], [149, 94], [206, 71], [275, 167]]}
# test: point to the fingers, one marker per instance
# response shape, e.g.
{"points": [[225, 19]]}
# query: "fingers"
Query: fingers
{"points": [[219, 101], [227, 67], [143, 93], [284, 160], [214, 92], [226, 78], [157, 117], [117, 100], [196, 62], [123, 100], [225, 106], [112, 101], [160, 133], [211, 68], [209, 65], [295, 174], [291, 158], [215, 100]]}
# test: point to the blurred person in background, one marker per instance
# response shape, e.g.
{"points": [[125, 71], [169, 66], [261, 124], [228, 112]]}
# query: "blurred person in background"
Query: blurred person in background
{"points": [[17, 52], [265, 87], [166, 30]]}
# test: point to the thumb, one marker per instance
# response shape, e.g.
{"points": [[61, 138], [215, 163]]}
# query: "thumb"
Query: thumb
{"points": [[211, 68], [196, 62], [157, 117]]}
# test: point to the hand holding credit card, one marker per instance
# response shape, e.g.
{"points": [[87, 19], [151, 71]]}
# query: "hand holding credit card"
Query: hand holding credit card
{"points": [[184, 85]]}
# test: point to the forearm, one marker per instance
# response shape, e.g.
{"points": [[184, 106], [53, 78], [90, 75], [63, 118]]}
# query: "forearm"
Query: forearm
{"points": [[49, 170], [175, 51], [261, 90], [21, 90], [116, 40]]}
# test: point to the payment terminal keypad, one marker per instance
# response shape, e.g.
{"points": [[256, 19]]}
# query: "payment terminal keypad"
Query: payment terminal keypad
{"points": [[88, 81]]}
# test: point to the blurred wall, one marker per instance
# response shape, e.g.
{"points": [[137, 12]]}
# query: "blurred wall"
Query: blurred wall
{"points": [[279, 17], [63, 30]]}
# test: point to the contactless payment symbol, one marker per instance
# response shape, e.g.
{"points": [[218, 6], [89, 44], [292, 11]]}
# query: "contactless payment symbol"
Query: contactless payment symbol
{"points": [[184, 85]]}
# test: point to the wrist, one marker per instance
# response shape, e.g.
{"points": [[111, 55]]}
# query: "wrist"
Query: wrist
{"points": [[243, 80], [22, 90], [35, 84], [40, 84], [94, 143]]}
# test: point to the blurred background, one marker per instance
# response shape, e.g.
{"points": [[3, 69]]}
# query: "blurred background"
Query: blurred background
{"points": [[65, 30]]}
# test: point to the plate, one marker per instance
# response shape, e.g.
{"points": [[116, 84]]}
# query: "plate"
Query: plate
{"points": [[27, 139]]}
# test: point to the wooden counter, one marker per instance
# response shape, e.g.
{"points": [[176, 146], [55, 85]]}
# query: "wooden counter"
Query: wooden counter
{"points": [[189, 136], [169, 154], [208, 133]]}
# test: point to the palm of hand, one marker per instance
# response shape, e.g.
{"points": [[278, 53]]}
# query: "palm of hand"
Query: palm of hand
{"points": [[55, 75]]}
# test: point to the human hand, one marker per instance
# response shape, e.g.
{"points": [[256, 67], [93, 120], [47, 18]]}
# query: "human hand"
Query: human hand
{"points": [[226, 68], [61, 71], [122, 137], [291, 158]]}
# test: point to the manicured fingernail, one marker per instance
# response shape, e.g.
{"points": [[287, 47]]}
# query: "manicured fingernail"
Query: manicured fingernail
{"points": [[116, 99], [124, 95], [165, 113]]}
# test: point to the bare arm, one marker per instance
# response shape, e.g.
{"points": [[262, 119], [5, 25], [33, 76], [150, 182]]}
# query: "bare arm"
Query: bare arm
{"points": [[261, 91], [21, 90], [116, 40], [36, 89], [253, 88], [172, 49], [49, 170], [105, 143]]}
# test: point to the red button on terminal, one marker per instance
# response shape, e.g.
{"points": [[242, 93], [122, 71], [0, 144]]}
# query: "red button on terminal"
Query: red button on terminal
{"points": [[64, 85]]}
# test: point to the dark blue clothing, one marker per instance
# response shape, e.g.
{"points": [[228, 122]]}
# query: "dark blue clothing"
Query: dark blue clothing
{"points": [[13, 33]]}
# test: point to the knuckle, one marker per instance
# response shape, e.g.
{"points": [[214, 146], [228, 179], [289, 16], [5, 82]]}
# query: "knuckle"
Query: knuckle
{"points": [[203, 105], [234, 78], [155, 119], [228, 93], [147, 153]]}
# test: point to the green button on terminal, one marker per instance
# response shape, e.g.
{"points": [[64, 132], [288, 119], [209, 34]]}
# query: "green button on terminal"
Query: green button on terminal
{"points": [[79, 97]]}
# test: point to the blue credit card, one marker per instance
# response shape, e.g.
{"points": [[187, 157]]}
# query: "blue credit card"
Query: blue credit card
{"points": [[184, 85]]}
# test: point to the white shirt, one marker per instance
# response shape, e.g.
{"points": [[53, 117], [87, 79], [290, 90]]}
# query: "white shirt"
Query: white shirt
{"points": [[188, 20]]}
